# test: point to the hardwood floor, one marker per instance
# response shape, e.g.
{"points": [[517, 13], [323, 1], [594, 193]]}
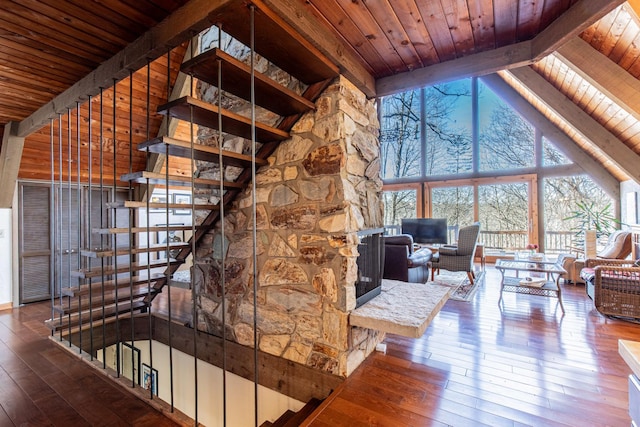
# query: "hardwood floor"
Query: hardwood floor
{"points": [[480, 364], [42, 384]]}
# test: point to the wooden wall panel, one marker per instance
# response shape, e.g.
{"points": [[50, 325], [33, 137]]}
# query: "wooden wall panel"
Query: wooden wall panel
{"points": [[36, 160]]}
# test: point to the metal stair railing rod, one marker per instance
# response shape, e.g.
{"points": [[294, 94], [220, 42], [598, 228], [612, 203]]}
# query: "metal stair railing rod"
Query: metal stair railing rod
{"points": [[223, 238], [58, 220], [52, 226], [102, 225], [80, 220], [148, 219], [193, 246], [89, 219], [254, 214], [131, 219], [68, 250], [168, 270], [193, 252], [114, 222]]}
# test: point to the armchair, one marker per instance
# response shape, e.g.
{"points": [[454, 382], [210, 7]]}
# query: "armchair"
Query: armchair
{"points": [[458, 257], [614, 286], [618, 246], [401, 262]]}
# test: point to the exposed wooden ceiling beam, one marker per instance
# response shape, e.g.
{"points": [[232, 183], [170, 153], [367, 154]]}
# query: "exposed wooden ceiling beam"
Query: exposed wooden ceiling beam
{"points": [[607, 76], [554, 134], [567, 26], [175, 29], [10, 155], [624, 157], [635, 5], [515, 55], [571, 23], [303, 18]]}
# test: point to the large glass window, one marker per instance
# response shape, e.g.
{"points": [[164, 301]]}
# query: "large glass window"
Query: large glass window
{"points": [[429, 141], [398, 205], [400, 135], [551, 156], [503, 214], [562, 196], [448, 128], [455, 204], [506, 139]]}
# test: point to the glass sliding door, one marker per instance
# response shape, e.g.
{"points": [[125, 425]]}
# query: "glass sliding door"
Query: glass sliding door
{"points": [[503, 212], [455, 204], [561, 196]]}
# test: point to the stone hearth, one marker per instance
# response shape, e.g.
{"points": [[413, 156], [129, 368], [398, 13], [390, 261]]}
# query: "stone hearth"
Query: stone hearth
{"points": [[402, 308]]}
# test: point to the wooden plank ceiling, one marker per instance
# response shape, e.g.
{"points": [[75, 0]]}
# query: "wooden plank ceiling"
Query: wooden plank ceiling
{"points": [[48, 45]]}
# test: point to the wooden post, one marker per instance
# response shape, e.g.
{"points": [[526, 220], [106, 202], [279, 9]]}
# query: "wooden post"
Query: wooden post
{"points": [[10, 155]]}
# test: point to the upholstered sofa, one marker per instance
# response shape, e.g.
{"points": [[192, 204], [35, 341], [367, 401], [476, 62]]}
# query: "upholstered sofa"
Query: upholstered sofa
{"points": [[403, 262]]}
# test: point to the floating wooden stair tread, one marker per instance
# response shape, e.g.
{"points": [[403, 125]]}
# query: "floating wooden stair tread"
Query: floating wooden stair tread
{"points": [[123, 230], [175, 180], [108, 252], [281, 44], [142, 205], [124, 295], [123, 268], [109, 285], [73, 321], [180, 148], [206, 114], [236, 79]]}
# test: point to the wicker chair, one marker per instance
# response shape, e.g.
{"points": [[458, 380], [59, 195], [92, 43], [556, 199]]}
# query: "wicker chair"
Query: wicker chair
{"points": [[614, 286], [458, 257]]}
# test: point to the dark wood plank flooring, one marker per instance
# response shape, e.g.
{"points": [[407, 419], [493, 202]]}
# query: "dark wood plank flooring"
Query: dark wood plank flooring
{"points": [[42, 384], [479, 364]]}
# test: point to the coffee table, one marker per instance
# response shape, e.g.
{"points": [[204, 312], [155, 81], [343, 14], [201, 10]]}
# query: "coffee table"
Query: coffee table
{"points": [[548, 285]]}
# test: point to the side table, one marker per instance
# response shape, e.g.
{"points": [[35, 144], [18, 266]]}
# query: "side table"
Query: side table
{"points": [[480, 255]]}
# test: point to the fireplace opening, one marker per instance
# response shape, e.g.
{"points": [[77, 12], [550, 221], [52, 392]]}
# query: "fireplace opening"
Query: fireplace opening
{"points": [[370, 264]]}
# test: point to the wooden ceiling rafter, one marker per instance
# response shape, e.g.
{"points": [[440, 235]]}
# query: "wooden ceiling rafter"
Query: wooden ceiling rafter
{"points": [[10, 156], [579, 17], [619, 153], [175, 29]]}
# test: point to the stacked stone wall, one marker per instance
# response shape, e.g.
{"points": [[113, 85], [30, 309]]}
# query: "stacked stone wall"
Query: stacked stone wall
{"points": [[320, 188]]}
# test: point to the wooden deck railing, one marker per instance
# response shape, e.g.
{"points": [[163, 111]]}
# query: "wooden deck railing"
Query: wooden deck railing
{"points": [[510, 240]]}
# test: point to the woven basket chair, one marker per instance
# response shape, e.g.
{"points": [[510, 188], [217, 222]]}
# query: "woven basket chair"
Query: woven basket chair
{"points": [[616, 286]]}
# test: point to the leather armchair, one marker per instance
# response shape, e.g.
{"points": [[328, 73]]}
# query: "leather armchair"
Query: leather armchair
{"points": [[402, 262], [459, 257]]}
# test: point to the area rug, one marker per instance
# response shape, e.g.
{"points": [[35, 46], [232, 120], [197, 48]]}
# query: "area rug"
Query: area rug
{"points": [[464, 290]]}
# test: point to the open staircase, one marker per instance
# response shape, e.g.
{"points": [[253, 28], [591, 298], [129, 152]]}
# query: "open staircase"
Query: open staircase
{"points": [[107, 291]]}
